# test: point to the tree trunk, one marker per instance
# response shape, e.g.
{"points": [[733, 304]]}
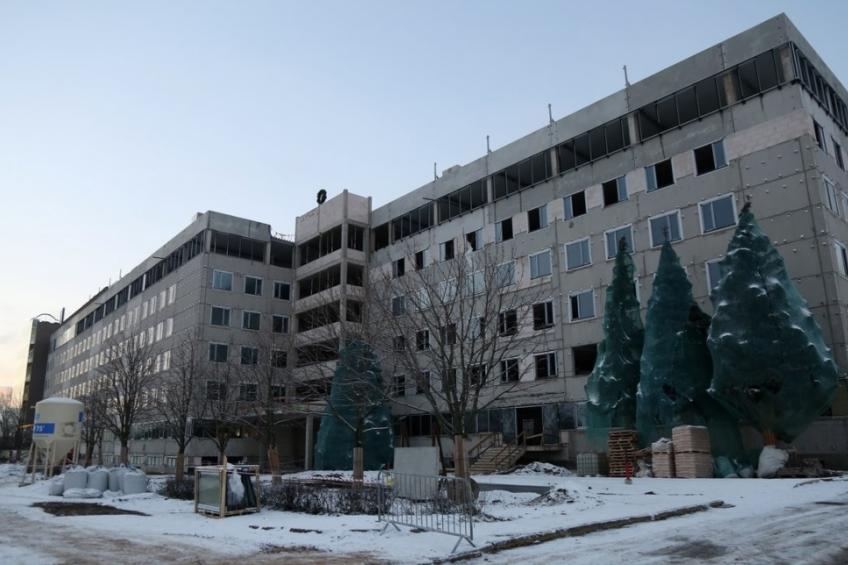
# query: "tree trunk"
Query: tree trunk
{"points": [[274, 464], [221, 457], [358, 464], [460, 468], [125, 452], [88, 449], [179, 470]]}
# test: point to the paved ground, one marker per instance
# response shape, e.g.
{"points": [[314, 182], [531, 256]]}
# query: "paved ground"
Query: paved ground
{"points": [[813, 533], [37, 542]]}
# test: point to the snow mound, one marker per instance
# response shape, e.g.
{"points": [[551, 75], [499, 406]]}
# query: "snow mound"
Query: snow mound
{"points": [[539, 467], [556, 495], [11, 470]]}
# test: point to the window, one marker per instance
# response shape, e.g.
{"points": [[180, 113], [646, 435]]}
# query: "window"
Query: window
{"points": [[509, 370], [507, 323], [841, 258], [718, 213], [505, 274], [215, 390], [253, 285], [709, 158], [522, 175], [659, 175], [218, 352], [503, 230], [398, 305], [543, 315], [355, 237], [476, 375], [399, 388], [837, 153], [537, 218], [410, 223], [614, 238], [282, 290], [448, 334], [577, 254], [820, 140], [279, 359], [399, 343], [398, 268], [475, 283], [546, 365], [222, 280], [584, 358], [475, 239], [280, 324], [446, 250], [615, 191], [169, 327], [250, 320], [249, 355], [380, 235], [582, 305], [540, 264], [713, 274], [422, 340], [575, 205], [220, 316], [278, 392], [247, 392], [665, 228], [447, 291], [422, 386], [172, 293], [830, 199], [463, 200], [420, 259]]}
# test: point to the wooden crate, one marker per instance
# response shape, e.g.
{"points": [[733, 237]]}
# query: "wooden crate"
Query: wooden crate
{"points": [[693, 465]]}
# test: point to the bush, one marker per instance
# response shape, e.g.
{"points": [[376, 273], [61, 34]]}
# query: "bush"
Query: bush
{"points": [[321, 497], [183, 490]]}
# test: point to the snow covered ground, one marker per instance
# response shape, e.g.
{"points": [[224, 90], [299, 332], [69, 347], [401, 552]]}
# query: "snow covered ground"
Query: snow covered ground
{"points": [[172, 532]]}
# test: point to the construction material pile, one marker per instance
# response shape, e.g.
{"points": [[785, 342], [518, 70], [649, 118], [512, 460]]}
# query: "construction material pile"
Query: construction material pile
{"points": [[92, 482], [692, 457], [592, 464], [663, 458], [620, 447]]}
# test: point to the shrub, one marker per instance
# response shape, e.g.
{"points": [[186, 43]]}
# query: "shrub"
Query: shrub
{"points": [[321, 497], [183, 490]]}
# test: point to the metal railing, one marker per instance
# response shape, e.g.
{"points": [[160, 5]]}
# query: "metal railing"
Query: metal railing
{"points": [[428, 502], [489, 439]]}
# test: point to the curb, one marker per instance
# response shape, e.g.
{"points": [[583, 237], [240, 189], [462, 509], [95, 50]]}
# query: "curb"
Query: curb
{"points": [[576, 531]]}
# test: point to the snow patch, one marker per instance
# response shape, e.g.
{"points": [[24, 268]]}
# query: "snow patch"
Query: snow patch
{"points": [[537, 467]]}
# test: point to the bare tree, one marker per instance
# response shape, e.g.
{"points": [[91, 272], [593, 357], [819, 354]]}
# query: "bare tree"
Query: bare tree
{"points": [[10, 420], [459, 329], [265, 373], [93, 425], [221, 405], [182, 394], [127, 377]]}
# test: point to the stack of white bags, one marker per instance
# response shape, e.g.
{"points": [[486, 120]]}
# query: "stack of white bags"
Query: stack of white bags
{"points": [[94, 481]]}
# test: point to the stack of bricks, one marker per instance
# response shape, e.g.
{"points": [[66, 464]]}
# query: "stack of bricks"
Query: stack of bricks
{"points": [[662, 459], [620, 447], [692, 456]]}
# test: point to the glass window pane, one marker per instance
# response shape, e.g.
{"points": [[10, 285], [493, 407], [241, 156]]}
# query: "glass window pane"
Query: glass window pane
{"points": [[615, 137], [581, 149], [667, 113], [687, 105], [598, 143], [766, 70], [707, 94], [565, 156], [748, 79], [723, 212], [648, 121]]}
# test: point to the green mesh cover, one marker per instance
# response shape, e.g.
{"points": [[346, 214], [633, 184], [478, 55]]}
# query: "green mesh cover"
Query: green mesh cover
{"points": [[356, 414], [676, 366], [611, 388], [770, 364]]}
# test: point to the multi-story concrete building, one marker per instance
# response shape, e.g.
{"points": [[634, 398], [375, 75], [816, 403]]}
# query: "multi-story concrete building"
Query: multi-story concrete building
{"points": [[36, 372], [758, 117]]}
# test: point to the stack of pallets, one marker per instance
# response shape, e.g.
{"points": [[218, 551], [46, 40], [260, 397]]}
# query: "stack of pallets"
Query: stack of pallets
{"points": [[662, 459], [692, 455], [620, 447]]}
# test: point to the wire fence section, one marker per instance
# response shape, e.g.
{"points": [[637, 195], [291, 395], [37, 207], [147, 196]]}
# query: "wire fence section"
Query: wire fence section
{"points": [[428, 502]]}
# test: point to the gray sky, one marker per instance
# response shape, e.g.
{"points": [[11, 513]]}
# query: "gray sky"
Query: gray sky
{"points": [[118, 121]]}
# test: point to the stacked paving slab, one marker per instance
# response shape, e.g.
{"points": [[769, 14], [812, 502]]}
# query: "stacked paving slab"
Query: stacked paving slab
{"points": [[692, 455]]}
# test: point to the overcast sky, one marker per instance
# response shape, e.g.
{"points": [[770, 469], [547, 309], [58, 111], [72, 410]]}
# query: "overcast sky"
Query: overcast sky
{"points": [[119, 121]]}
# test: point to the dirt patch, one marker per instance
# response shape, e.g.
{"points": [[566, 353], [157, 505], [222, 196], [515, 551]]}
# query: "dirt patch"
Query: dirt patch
{"points": [[688, 549], [82, 509]]}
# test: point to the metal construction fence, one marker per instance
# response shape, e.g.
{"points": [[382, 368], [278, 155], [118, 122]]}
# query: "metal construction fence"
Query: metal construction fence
{"points": [[428, 502]]}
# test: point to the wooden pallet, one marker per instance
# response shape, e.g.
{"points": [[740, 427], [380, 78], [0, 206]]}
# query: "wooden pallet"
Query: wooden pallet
{"points": [[621, 446]]}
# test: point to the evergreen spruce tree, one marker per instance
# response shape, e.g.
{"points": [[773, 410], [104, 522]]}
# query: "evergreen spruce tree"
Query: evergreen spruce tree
{"points": [[356, 415], [676, 367], [770, 364], [611, 388]]}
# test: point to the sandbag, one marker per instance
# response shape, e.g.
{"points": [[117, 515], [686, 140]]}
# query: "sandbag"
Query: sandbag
{"points": [[56, 487], [115, 476], [134, 483], [82, 493], [772, 460], [98, 479], [76, 479]]}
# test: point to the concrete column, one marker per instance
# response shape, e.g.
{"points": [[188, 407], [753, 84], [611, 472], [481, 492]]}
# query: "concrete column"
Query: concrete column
{"points": [[308, 451]]}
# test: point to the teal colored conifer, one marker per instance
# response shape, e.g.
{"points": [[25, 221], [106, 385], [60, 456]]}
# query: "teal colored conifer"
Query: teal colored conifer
{"points": [[356, 415], [771, 366], [611, 388]]}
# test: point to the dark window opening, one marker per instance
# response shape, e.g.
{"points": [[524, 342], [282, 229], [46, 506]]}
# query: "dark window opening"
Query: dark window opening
{"points": [[507, 322], [381, 236], [615, 191], [543, 315], [419, 260], [282, 254], [575, 205], [584, 358], [503, 230], [355, 237]]}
